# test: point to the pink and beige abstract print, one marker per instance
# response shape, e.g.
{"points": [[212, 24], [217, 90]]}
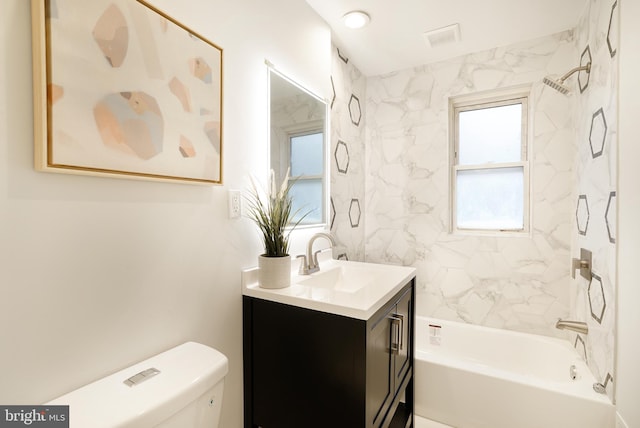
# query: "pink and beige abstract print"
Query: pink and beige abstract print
{"points": [[131, 91]]}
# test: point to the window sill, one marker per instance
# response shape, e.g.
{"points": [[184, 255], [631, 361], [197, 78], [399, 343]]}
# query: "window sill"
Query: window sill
{"points": [[492, 233]]}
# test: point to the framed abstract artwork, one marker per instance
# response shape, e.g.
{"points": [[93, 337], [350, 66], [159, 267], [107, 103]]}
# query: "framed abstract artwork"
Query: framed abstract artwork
{"points": [[123, 90]]}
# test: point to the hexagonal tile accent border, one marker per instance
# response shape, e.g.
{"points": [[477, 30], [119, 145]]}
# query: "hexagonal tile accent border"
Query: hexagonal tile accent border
{"points": [[333, 213], [610, 217], [333, 91], [343, 58], [612, 31], [581, 347], [343, 256], [598, 133], [582, 214], [341, 154], [354, 213], [583, 76], [354, 110], [597, 303]]}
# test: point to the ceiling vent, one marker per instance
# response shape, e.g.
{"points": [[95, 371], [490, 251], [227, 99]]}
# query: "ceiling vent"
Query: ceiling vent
{"points": [[442, 36]]}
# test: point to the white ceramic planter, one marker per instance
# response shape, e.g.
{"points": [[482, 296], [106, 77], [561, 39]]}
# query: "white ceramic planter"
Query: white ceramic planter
{"points": [[274, 272]]}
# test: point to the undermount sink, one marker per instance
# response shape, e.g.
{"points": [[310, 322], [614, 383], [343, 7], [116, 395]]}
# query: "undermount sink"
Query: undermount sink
{"points": [[341, 278]]}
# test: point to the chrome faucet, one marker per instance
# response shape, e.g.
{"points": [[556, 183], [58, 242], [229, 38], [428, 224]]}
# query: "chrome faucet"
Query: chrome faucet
{"points": [[577, 326], [309, 263]]}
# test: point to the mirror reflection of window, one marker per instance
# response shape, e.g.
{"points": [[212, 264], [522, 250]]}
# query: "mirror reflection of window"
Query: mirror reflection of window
{"points": [[297, 139], [307, 171]]}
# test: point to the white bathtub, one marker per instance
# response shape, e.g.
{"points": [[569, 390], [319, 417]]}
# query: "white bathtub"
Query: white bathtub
{"points": [[468, 376]]}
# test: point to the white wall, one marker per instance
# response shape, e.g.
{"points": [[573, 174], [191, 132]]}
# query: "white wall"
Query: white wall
{"points": [[99, 273], [628, 338]]}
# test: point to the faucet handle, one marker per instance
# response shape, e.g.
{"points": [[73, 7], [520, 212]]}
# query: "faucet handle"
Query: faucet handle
{"points": [[304, 267], [583, 264]]}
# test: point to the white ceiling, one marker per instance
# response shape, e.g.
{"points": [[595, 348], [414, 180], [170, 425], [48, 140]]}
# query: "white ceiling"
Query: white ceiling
{"points": [[393, 39]]}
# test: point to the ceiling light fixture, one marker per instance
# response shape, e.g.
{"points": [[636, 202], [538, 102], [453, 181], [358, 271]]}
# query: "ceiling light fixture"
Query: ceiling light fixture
{"points": [[356, 19]]}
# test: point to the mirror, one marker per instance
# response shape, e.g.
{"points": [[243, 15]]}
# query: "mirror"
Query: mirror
{"points": [[298, 140]]}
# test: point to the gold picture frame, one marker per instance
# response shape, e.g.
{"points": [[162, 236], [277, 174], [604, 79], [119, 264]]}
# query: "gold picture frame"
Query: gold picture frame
{"points": [[123, 90]]}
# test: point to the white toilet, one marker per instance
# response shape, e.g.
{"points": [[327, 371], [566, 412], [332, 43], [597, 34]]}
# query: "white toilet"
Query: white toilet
{"points": [[179, 388]]}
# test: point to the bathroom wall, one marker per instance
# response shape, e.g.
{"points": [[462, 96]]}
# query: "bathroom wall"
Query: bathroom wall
{"points": [[594, 226], [627, 344], [347, 157], [99, 273], [518, 283]]}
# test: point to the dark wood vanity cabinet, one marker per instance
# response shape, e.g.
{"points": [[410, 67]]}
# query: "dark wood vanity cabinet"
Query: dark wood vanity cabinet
{"points": [[306, 368]]}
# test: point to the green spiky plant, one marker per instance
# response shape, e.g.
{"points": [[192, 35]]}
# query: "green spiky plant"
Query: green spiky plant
{"points": [[272, 213]]}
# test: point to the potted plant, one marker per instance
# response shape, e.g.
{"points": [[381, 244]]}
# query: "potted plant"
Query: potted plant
{"points": [[272, 212]]}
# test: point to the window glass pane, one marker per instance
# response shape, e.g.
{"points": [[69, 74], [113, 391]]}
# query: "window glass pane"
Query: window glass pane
{"points": [[306, 155], [490, 135], [307, 196], [490, 198]]}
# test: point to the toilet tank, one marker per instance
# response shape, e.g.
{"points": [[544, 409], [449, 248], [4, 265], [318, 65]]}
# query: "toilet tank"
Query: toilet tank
{"points": [[181, 387]]}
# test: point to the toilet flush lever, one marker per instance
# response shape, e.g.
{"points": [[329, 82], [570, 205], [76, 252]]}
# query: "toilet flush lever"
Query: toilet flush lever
{"points": [[583, 264]]}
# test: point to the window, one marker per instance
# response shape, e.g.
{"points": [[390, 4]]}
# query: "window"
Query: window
{"points": [[490, 171], [307, 171]]}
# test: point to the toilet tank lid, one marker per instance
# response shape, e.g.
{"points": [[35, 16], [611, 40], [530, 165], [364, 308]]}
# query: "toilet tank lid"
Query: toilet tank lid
{"points": [[185, 373]]}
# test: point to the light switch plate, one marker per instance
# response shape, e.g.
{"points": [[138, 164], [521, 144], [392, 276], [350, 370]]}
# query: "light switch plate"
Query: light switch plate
{"points": [[235, 204]]}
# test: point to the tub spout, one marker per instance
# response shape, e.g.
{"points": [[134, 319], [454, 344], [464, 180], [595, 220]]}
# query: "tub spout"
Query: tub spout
{"points": [[577, 326]]}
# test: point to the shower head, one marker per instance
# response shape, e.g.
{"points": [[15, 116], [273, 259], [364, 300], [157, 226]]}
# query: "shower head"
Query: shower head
{"points": [[558, 83]]}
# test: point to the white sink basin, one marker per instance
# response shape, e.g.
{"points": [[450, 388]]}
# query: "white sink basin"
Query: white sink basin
{"points": [[346, 278]]}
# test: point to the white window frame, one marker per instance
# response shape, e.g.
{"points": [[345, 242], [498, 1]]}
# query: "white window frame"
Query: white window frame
{"points": [[504, 97]]}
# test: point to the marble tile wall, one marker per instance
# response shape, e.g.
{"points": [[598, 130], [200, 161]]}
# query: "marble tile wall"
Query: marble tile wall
{"points": [[347, 157], [594, 225], [518, 283]]}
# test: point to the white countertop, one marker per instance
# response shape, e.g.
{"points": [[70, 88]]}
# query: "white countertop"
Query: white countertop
{"points": [[382, 282]]}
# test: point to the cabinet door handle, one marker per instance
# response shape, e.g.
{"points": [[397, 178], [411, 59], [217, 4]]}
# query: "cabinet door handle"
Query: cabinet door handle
{"points": [[397, 327], [401, 330]]}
